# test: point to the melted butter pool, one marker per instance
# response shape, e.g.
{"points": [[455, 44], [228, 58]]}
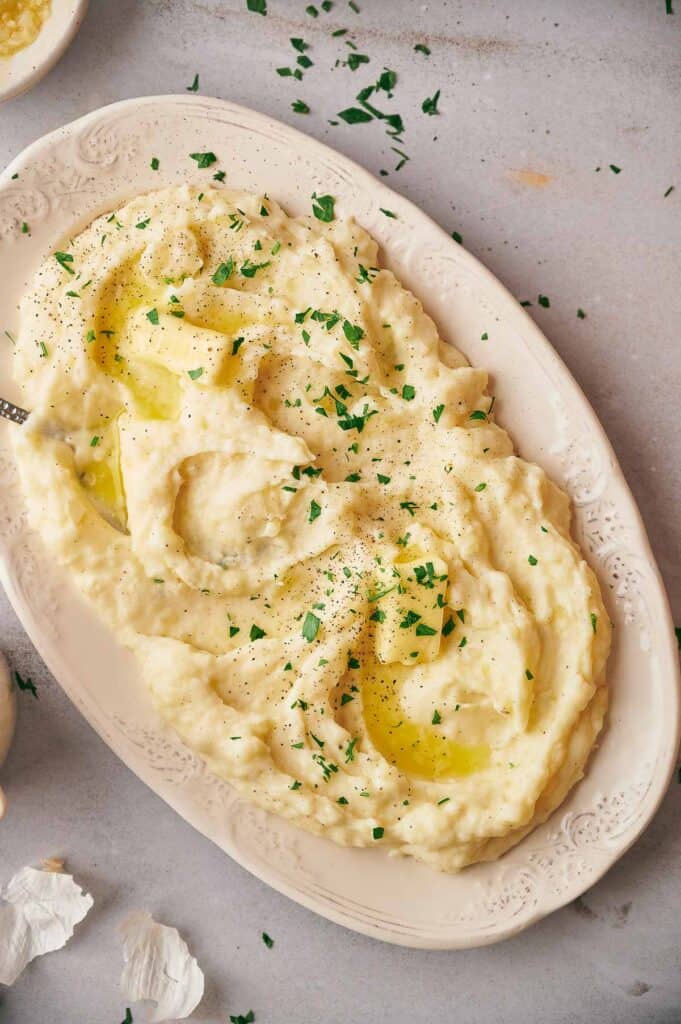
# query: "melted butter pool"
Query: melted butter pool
{"points": [[421, 751]]}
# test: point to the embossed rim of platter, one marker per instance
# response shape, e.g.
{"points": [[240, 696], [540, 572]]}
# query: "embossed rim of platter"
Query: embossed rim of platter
{"points": [[27, 67], [94, 164]]}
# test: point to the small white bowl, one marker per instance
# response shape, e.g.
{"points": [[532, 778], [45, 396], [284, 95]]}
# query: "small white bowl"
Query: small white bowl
{"points": [[22, 70]]}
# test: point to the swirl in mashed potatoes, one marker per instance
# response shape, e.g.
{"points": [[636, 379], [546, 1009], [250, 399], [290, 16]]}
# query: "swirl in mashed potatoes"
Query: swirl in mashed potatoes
{"points": [[289, 497]]}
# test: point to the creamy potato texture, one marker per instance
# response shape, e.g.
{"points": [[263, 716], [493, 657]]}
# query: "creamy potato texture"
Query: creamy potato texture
{"points": [[290, 498]]}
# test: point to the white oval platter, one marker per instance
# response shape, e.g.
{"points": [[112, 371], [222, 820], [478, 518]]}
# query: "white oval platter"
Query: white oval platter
{"points": [[96, 163]]}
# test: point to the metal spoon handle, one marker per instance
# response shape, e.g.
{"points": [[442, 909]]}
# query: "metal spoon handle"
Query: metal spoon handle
{"points": [[12, 412]]}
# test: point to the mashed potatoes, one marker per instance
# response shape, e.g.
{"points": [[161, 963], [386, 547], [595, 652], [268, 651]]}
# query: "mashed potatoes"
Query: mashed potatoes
{"points": [[20, 23], [289, 497]]}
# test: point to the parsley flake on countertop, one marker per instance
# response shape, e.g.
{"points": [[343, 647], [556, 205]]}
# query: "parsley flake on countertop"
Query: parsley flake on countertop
{"points": [[299, 107], [668, 192], [429, 105], [581, 315], [355, 115], [457, 237], [544, 301], [422, 48], [615, 169], [128, 1016], [246, 1018], [323, 207], [204, 159], [257, 7], [26, 684], [269, 942], [194, 87]]}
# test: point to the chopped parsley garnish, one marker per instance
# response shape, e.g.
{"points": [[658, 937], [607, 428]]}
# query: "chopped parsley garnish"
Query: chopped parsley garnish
{"points": [[594, 621], [436, 719], [388, 213], [355, 115], [409, 506], [257, 7], [342, 800], [352, 664], [409, 619], [256, 632], [269, 942], [353, 333], [378, 832], [463, 641], [382, 479], [323, 207], [155, 163], [43, 349], [448, 626], [248, 1018], [429, 105], [204, 159], [233, 630], [24, 228], [544, 301], [444, 800], [311, 626], [64, 259], [437, 412], [461, 614], [249, 269], [346, 698], [26, 684], [320, 743], [143, 224], [408, 392], [355, 59], [423, 630], [315, 511], [528, 674], [90, 336], [152, 317], [94, 441], [195, 374], [194, 87], [224, 272], [480, 487], [295, 785], [531, 559], [478, 414], [299, 107], [350, 749], [236, 345]]}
